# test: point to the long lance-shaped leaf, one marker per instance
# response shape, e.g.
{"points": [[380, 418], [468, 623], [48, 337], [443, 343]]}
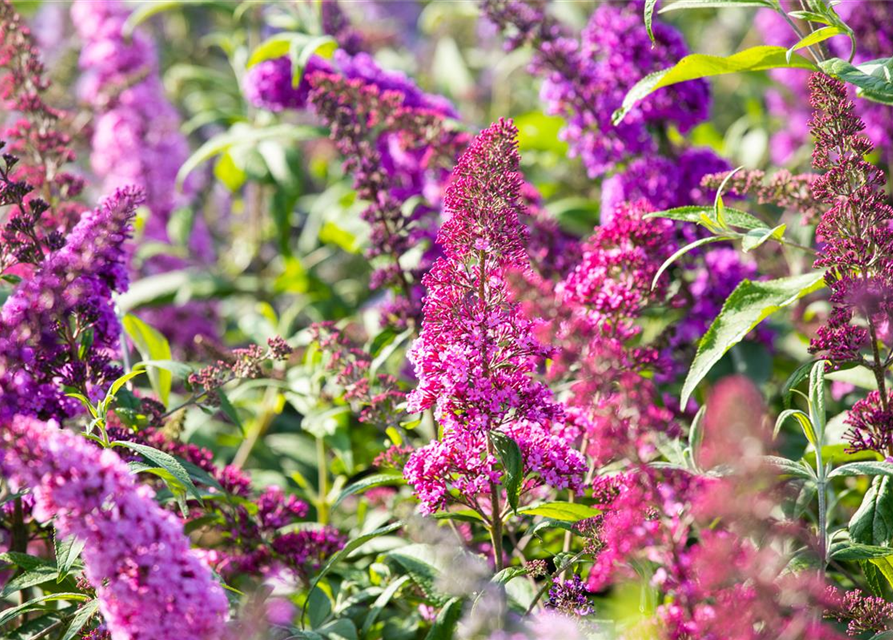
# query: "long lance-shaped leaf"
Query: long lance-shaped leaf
{"points": [[748, 305], [699, 65]]}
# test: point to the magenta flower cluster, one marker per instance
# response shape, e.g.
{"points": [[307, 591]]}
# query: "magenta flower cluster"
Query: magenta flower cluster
{"points": [[149, 583], [476, 354]]}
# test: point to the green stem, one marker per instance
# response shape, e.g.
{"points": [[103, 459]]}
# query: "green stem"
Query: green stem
{"points": [[322, 504], [495, 517]]}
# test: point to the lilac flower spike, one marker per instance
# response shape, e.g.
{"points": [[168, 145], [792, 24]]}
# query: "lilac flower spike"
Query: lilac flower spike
{"points": [[149, 583], [476, 353]]}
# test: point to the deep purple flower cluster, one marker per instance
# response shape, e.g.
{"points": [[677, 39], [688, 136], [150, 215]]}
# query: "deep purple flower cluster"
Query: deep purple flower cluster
{"points": [[59, 326], [137, 141], [148, 581], [476, 354], [570, 596]]}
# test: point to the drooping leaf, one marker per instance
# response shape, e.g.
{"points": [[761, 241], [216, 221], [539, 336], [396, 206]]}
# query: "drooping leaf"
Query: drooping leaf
{"points": [[564, 511], [369, 482], [381, 602], [757, 237], [681, 252], [351, 546], [873, 521], [748, 305], [152, 345], [510, 456], [815, 37], [80, 619], [245, 135], [874, 79], [852, 551], [166, 462], [14, 612], [445, 623], [802, 419], [700, 65], [734, 217], [715, 4], [67, 553], [789, 467], [867, 468]]}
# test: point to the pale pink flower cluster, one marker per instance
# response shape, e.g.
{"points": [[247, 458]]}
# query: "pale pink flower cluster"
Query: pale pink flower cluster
{"points": [[150, 584]]}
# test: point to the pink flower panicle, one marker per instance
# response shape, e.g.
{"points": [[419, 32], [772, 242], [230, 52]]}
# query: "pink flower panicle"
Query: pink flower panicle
{"points": [[149, 583], [856, 251], [476, 354], [861, 612], [35, 131]]}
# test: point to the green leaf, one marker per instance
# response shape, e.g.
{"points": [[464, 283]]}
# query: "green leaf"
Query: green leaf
{"points": [[352, 545], [873, 521], [885, 565], [817, 413], [790, 468], [166, 462], [757, 237], [275, 46], [445, 624], [649, 16], [120, 382], [31, 578], [11, 614], [148, 9], [873, 79], [80, 619], [67, 553], [852, 551], [463, 515], [867, 468], [510, 456], [152, 345], [425, 564], [381, 602], [369, 482], [699, 65], [696, 434], [799, 375], [681, 252], [748, 305], [23, 560], [564, 511], [715, 4], [228, 409], [817, 36], [734, 217], [802, 419], [322, 46], [245, 135]]}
